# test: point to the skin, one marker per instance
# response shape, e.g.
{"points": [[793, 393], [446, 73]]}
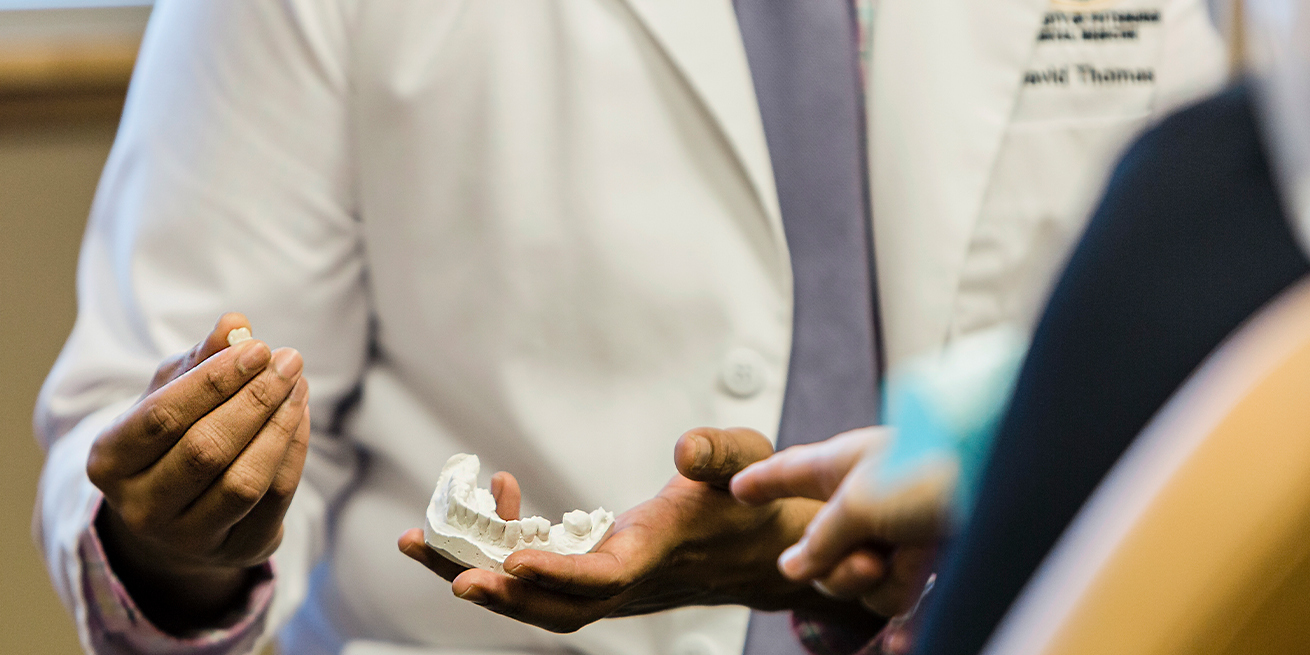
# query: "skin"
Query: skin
{"points": [[847, 550], [692, 544], [198, 475]]}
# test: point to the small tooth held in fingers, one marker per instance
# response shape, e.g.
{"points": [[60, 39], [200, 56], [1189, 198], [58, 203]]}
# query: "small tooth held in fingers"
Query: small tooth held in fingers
{"points": [[238, 335], [513, 530], [577, 523]]}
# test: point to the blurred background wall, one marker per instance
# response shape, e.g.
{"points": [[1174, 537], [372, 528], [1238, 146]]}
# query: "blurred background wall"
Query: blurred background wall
{"points": [[63, 74]]}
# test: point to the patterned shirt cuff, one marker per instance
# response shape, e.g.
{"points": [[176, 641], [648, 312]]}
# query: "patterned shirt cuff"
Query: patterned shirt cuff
{"points": [[895, 638], [116, 624], [824, 638]]}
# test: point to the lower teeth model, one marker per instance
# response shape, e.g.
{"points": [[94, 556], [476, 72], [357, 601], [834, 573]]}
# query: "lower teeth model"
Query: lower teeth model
{"points": [[463, 526]]}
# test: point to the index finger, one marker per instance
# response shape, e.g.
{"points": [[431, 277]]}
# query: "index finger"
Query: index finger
{"points": [[156, 423], [414, 547], [216, 340], [806, 471], [619, 562]]}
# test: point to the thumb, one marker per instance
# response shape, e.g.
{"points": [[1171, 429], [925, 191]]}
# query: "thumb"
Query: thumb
{"points": [[216, 340], [713, 456]]}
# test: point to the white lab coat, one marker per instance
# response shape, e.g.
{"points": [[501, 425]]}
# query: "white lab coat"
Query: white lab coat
{"points": [[540, 230]]}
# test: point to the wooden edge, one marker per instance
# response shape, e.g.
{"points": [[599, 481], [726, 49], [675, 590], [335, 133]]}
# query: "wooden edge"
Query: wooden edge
{"points": [[65, 80], [75, 67]]}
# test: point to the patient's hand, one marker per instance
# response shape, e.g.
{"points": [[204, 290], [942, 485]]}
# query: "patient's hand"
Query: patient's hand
{"points": [[862, 520], [693, 544]]}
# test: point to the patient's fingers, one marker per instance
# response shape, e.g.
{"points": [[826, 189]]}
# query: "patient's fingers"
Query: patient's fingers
{"points": [[833, 533], [915, 512], [909, 568], [858, 574], [810, 470]]}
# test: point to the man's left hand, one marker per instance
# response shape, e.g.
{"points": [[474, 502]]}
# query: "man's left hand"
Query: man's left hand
{"points": [[692, 544]]}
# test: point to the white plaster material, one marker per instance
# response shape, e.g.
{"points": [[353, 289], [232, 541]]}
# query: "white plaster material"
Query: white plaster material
{"points": [[463, 526], [238, 335]]}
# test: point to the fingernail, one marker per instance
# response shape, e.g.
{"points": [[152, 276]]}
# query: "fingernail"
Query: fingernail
{"points": [[299, 391], [523, 573], [789, 561], [703, 452], [253, 356], [287, 363], [822, 588], [473, 595]]}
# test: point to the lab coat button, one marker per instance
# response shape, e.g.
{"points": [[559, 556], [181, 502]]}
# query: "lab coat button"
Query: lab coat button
{"points": [[695, 644], [743, 372]]}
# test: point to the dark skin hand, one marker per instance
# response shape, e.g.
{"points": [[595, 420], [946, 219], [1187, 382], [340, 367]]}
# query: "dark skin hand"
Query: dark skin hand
{"points": [[198, 475], [692, 544]]}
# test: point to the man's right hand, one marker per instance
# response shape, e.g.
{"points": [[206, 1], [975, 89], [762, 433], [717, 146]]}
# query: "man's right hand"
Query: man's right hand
{"points": [[198, 475]]}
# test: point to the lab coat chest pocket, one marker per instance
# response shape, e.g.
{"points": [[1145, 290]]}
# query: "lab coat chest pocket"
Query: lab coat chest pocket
{"points": [[1093, 59], [1089, 88]]}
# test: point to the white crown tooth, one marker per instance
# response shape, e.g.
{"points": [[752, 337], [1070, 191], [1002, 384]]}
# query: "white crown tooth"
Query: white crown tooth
{"points": [[238, 335], [577, 523], [452, 512], [496, 530], [513, 530], [484, 522]]}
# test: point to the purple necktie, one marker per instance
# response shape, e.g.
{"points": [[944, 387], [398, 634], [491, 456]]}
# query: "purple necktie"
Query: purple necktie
{"points": [[804, 58]]}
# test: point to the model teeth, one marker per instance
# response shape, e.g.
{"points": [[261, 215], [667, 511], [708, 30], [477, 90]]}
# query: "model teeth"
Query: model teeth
{"points": [[462, 523], [578, 523], [543, 528], [513, 530]]}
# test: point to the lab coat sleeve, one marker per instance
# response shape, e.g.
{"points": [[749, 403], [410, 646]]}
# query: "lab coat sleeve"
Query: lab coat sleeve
{"points": [[229, 188]]}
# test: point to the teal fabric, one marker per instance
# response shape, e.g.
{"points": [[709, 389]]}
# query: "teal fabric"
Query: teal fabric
{"points": [[947, 407]]}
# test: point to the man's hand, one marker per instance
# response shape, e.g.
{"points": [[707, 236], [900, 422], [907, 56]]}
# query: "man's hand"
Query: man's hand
{"points": [[865, 543], [198, 474], [693, 544]]}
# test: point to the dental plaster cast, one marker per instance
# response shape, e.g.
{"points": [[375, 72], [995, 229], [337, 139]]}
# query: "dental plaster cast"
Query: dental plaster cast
{"points": [[463, 526], [238, 335]]}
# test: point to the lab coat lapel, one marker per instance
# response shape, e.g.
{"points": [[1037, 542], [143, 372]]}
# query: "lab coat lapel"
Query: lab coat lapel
{"points": [[944, 80], [703, 41]]}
